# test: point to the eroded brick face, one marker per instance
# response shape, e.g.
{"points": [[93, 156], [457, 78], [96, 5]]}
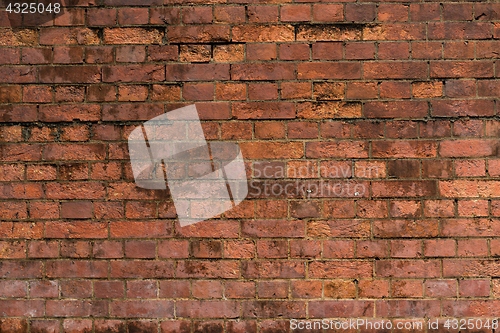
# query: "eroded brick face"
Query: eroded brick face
{"points": [[370, 134]]}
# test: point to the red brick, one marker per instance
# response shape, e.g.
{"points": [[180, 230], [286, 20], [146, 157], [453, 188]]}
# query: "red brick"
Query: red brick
{"points": [[395, 89], [272, 249], [371, 249], [262, 91], [10, 55], [273, 269], [461, 69], [101, 16], [474, 288], [472, 247], [43, 249], [76, 289], [131, 35], [230, 91], [459, 30], [13, 210], [197, 34], [262, 71], [319, 71], [395, 70], [440, 288], [108, 289], [459, 50], [405, 149], [26, 269], [174, 289], [457, 11], [207, 308], [400, 129], [471, 168], [166, 93], [140, 249], [17, 113], [75, 249], [294, 51], [362, 50], [162, 52], [198, 91], [22, 308], [403, 308], [141, 289], [392, 12], [181, 326], [262, 14], [63, 74], [373, 288], [236, 130], [81, 229], [132, 16], [207, 289], [14, 288], [295, 13], [197, 15], [362, 90], [21, 191], [240, 289], [229, 14], [162, 15], [306, 289], [425, 12], [395, 31], [144, 325], [467, 267], [407, 268], [147, 229], [68, 55], [239, 249], [341, 308], [338, 249], [407, 288], [339, 228], [196, 72], [99, 54], [51, 326], [141, 268], [426, 50], [405, 228], [439, 208], [346, 269], [108, 249], [360, 12], [272, 289], [144, 309], [41, 55], [133, 73], [405, 248], [327, 50], [195, 53], [130, 53]]}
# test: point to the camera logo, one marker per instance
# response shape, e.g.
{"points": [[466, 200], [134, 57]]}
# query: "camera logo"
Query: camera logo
{"points": [[204, 179]]}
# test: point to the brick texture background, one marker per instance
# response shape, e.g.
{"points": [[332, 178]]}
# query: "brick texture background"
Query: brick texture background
{"points": [[407, 88]]}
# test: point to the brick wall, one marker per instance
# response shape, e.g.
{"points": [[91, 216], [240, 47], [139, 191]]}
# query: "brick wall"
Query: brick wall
{"points": [[394, 103]]}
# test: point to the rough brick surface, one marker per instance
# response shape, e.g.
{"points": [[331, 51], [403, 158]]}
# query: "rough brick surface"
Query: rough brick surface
{"points": [[378, 118]]}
